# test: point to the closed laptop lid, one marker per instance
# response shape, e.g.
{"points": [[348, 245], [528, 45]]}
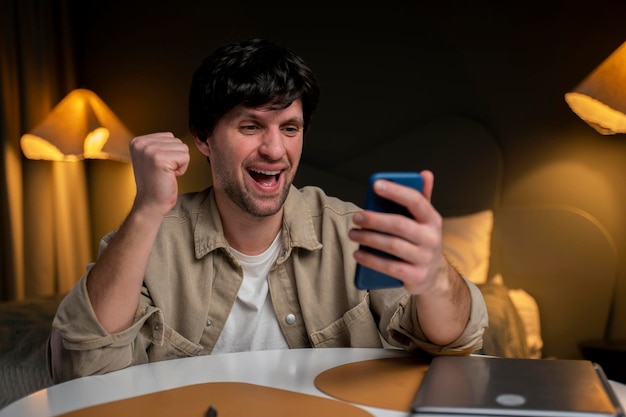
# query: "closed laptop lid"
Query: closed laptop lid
{"points": [[490, 386]]}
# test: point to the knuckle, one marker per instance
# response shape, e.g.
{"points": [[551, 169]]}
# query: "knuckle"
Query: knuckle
{"points": [[395, 246]]}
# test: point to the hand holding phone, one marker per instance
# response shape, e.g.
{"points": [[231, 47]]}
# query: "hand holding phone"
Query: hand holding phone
{"points": [[367, 278]]}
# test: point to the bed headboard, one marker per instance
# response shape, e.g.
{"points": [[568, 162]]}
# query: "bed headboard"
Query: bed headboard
{"points": [[559, 255], [452, 141], [564, 258]]}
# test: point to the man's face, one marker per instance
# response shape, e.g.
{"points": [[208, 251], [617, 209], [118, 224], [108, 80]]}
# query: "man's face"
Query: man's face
{"points": [[254, 155]]}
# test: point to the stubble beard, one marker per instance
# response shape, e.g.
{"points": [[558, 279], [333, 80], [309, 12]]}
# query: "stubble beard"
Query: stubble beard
{"points": [[251, 205]]}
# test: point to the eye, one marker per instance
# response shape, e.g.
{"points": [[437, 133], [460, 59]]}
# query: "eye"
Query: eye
{"points": [[291, 130], [248, 129]]}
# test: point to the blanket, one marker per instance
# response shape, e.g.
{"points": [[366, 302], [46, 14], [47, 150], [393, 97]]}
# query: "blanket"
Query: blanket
{"points": [[24, 329], [506, 335]]}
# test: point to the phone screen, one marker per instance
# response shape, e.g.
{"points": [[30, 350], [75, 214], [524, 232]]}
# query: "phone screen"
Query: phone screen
{"points": [[367, 278]]}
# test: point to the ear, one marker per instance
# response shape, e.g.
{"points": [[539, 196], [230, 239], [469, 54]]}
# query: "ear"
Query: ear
{"points": [[203, 146]]}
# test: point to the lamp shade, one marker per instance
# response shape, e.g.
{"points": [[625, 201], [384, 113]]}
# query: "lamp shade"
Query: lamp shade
{"points": [[600, 99], [80, 126]]}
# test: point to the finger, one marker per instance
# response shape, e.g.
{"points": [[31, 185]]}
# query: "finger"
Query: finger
{"points": [[416, 202], [391, 224], [411, 247], [404, 271], [160, 152], [429, 181], [397, 247], [171, 156], [155, 139], [161, 135], [158, 144]]}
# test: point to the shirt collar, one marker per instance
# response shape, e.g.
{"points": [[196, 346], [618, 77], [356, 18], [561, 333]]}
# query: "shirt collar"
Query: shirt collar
{"points": [[298, 230]]}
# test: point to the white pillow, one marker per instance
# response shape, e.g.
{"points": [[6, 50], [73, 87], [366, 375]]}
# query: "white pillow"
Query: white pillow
{"points": [[467, 244]]}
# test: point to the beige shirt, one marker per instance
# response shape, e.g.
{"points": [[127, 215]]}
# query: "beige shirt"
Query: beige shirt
{"points": [[192, 281]]}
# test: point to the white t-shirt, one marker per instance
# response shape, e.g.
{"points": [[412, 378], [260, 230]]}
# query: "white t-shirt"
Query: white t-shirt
{"points": [[252, 323]]}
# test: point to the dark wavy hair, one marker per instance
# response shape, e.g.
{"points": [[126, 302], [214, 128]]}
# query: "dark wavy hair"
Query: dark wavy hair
{"points": [[253, 73]]}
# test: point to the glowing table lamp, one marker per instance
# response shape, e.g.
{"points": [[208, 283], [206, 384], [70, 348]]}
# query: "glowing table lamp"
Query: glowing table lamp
{"points": [[80, 126], [600, 99]]}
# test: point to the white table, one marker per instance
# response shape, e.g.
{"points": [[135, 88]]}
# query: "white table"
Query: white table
{"points": [[293, 370]]}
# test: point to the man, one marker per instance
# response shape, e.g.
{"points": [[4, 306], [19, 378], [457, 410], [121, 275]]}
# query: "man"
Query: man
{"points": [[252, 262]]}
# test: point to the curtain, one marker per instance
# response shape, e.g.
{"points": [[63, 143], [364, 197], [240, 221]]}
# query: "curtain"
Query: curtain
{"points": [[45, 231]]}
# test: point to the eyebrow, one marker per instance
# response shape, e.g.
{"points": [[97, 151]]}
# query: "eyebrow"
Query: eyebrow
{"points": [[246, 113]]}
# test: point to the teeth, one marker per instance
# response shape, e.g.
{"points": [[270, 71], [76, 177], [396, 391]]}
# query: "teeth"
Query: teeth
{"points": [[259, 171]]}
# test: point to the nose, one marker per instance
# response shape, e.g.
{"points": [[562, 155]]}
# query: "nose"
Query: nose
{"points": [[272, 145]]}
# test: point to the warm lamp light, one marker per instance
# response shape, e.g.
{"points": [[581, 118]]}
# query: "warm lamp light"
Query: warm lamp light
{"points": [[600, 99], [80, 126]]}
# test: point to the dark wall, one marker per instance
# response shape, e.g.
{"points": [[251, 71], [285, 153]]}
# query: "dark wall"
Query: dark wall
{"points": [[384, 70]]}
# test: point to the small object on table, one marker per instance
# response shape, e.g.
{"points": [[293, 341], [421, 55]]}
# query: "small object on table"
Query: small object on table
{"points": [[211, 412]]}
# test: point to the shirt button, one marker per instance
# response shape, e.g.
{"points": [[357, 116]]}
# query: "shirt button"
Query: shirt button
{"points": [[290, 318], [209, 323], [156, 327]]}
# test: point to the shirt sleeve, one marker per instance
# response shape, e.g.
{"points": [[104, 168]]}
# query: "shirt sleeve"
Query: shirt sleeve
{"points": [[403, 329], [78, 344]]}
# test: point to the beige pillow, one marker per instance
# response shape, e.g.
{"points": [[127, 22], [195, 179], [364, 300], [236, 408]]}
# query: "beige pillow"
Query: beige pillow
{"points": [[528, 311], [467, 244]]}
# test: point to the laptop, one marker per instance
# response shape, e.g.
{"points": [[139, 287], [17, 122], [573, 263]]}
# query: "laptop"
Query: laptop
{"points": [[492, 386]]}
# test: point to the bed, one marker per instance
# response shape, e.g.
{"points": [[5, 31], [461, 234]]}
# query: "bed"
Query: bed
{"points": [[547, 272]]}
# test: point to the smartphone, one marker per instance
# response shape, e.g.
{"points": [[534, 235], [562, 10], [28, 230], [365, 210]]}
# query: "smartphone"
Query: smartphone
{"points": [[366, 278]]}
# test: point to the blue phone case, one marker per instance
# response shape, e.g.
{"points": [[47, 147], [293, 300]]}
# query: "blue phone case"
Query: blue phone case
{"points": [[366, 278]]}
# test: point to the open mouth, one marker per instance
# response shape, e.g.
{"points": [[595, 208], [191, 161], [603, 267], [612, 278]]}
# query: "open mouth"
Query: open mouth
{"points": [[265, 178]]}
